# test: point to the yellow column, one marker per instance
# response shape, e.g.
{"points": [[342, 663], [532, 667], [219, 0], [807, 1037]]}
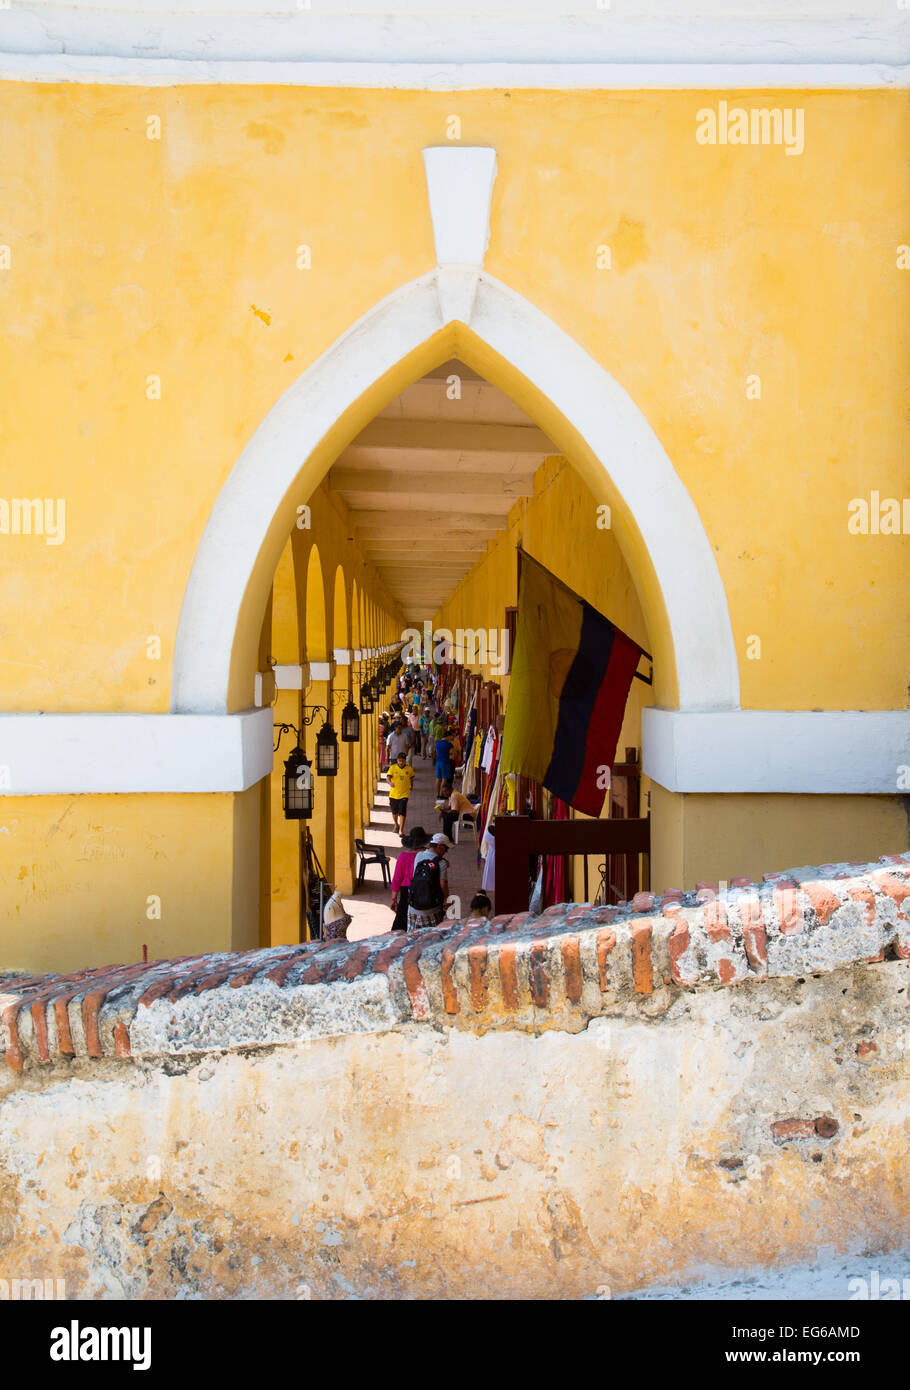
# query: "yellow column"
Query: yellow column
{"points": [[284, 888], [285, 891], [319, 693]]}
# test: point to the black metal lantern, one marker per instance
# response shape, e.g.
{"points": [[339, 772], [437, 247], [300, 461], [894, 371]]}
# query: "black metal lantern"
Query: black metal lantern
{"points": [[298, 786], [366, 699], [327, 752], [350, 723]]}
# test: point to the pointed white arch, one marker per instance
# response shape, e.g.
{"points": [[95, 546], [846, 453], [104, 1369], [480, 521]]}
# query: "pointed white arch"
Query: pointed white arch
{"points": [[655, 518]]}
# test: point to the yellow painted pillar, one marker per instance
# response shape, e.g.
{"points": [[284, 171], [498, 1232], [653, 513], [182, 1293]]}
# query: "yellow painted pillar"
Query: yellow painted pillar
{"points": [[322, 824], [345, 817], [285, 886]]}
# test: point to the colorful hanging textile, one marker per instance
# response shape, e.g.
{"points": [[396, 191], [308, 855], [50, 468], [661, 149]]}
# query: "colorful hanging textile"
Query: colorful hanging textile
{"points": [[571, 674], [555, 887]]}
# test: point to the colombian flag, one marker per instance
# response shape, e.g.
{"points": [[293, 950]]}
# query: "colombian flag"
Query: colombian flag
{"points": [[571, 674]]}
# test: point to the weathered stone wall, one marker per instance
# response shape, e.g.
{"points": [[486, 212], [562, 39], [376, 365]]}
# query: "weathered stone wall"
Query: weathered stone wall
{"points": [[537, 1107]]}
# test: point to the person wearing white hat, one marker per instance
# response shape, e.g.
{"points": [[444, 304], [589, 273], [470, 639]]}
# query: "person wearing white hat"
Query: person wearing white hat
{"points": [[429, 885]]}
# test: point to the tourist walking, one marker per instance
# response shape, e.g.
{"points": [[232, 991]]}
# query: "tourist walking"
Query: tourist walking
{"points": [[444, 769], [399, 740], [412, 843], [401, 777], [429, 885]]}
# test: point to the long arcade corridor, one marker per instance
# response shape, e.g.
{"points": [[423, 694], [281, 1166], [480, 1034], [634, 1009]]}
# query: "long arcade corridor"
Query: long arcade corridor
{"points": [[416, 529]]}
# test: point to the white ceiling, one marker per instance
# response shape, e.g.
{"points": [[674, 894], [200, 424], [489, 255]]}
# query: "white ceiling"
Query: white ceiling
{"points": [[432, 479]]}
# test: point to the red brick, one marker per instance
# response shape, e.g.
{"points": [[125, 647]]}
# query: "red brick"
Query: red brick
{"points": [[93, 1001], [9, 1021], [793, 1129], [866, 1049], [571, 965], [823, 901], [540, 983], [643, 902], [356, 962], [384, 958], [160, 988], [446, 962], [508, 975], [62, 1018], [605, 914], [826, 1126], [716, 921], [642, 969], [504, 918], [575, 914], [670, 895], [413, 980], [245, 977], [677, 945], [786, 906], [862, 893], [707, 883], [606, 940], [446, 979], [897, 889], [755, 940], [39, 1025], [215, 981], [742, 882], [121, 1039], [477, 975], [187, 983]]}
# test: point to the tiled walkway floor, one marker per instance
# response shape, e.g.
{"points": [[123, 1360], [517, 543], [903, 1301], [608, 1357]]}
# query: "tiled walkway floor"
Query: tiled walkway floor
{"points": [[371, 907]]}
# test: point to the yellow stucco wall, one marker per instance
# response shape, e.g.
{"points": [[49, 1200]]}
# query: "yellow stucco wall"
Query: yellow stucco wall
{"points": [[176, 258], [80, 873], [714, 837]]}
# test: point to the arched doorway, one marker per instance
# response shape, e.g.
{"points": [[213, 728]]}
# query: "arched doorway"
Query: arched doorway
{"points": [[582, 408]]}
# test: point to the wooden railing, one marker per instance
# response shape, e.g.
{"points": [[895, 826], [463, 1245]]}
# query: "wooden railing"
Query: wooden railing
{"points": [[519, 837]]}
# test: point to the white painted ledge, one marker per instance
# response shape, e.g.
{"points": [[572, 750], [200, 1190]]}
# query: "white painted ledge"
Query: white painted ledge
{"points": [[736, 751], [722, 76], [817, 752], [71, 754], [445, 45], [288, 677]]}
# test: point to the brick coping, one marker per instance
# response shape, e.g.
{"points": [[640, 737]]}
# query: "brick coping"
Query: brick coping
{"points": [[559, 970]]}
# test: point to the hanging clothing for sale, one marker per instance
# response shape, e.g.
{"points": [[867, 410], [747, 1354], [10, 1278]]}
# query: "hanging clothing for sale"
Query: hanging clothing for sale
{"points": [[491, 800], [488, 880], [555, 886], [469, 776], [469, 735], [488, 748]]}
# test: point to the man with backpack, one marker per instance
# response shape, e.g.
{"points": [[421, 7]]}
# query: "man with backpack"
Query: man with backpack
{"points": [[429, 885]]}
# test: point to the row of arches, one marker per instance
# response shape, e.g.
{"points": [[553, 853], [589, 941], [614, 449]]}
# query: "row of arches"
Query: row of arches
{"points": [[318, 615]]}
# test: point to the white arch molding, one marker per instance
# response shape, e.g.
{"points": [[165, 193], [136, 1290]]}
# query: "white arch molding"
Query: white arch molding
{"points": [[261, 487]]}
